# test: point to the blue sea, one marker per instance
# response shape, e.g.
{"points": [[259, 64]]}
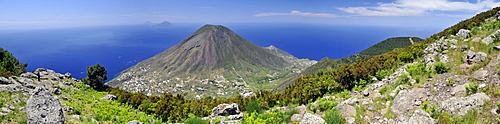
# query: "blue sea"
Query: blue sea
{"points": [[121, 46]]}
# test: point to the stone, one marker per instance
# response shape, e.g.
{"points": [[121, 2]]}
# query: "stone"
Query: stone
{"points": [[460, 105], [463, 33], [236, 117], [296, 117], [475, 58], [480, 57], [497, 47], [366, 92], [404, 102], [350, 120], [453, 47], [4, 80], [229, 122], [7, 110], [465, 66], [498, 15], [225, 109], [135, 122], [420, 117], [465, 47], [282, 108], [312, 119], [28, 75], [68, 75], [453, 41], [481, 75], [43, 108], [302, 109], [347, 110], [481, 86], [460, 89], [109, 97], [490, 38]]}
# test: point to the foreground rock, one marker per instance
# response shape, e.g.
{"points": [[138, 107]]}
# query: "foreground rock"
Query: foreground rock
{"points": [[43, 108], [420, 117], [312, 119], [460, 105], [227, 109]]}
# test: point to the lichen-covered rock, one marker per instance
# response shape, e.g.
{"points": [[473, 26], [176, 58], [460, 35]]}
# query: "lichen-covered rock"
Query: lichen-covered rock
{"points": [[43, 108], [312, 119], [460, 105]]}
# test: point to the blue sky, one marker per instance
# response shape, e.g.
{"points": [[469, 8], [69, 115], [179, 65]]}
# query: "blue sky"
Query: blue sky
{"points": [[416, 13]]}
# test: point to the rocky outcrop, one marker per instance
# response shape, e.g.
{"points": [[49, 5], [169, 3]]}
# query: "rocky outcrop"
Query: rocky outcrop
{"points": [[407, 101], [312, 119], [460, 105], [43, 108], [231, 110], [490, 38], [420, 117], [463, 33], [472, 58], [436, 50], [226, 109]]}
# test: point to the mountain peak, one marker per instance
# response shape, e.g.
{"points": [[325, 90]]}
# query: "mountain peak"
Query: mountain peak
{"points": [[212, 53]]}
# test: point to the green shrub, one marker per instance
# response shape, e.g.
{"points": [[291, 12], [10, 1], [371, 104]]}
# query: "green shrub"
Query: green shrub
{"points": [[406, 57], [333, 117], [440, 67], [253, 106], [195, 120], [471, 89], [450, 82], [381, 74]]}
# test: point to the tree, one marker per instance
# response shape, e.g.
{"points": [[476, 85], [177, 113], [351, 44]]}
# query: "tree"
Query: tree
{"points": [[96, 77], [9, 65]]}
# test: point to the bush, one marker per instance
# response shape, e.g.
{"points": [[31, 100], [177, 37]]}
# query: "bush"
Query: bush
{"points": [[440, 67], [333, 117], [406, 57], [381, 74], [471, 89], [253, 106]]}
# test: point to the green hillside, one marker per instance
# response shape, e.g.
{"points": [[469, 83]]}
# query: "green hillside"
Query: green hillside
{"points": [[327, 64]]}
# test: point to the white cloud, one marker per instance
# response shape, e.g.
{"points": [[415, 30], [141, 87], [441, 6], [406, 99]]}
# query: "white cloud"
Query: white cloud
{"points": [[298, 13], [419, 7]]}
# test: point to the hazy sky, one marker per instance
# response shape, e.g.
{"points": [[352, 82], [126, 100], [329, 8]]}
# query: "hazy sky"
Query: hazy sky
{"points": [[61, 13]]}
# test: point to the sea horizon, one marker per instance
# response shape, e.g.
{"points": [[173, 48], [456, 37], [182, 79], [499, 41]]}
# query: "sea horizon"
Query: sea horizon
{"points": [[118, 47]]}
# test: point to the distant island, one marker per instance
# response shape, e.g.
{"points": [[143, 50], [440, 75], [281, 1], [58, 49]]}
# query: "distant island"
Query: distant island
{"points": [[163, 24], [148, 23]]}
